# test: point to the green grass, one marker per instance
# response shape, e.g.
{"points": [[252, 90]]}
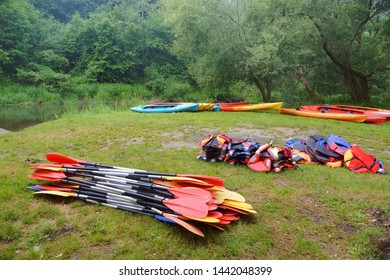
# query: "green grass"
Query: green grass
{"points": [[315, 212]]}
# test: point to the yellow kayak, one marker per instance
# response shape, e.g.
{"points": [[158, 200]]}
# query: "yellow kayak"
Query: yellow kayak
{"points": [[253, 107], [325, 115]]}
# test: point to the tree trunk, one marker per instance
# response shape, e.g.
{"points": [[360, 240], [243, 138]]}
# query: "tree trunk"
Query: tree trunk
{"points": [[356, 82], [313, 96], [265, 93], [357, 86]]}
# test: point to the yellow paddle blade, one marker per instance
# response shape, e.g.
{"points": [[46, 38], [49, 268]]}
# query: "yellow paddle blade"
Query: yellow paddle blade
{"points": [[204, 220], [224, 194], [59, 193], [238, 204], [52, 168]]}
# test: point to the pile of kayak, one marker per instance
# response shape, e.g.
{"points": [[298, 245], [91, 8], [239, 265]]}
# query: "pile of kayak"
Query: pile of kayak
{"points": [[340, 112], [180, 199], [196, 107]]}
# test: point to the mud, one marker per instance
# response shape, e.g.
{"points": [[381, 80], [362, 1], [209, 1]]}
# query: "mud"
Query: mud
{"points": [[381, 219]]}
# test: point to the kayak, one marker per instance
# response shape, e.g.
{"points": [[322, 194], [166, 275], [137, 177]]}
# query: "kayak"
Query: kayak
{"points": [[208, 107], [323, 115], [384, 112], [230, 104], [166, 108], [373, 117], [252, 107], [201, 106]]}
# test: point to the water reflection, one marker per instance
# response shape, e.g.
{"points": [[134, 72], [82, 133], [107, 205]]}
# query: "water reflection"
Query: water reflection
{"points": [[15, 118]]}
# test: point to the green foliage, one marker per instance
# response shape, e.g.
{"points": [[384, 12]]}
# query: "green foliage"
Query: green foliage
{"points": [[289, 51], [20, 34], [36, 74]]}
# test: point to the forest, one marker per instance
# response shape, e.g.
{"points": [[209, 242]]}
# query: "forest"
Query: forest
{"points": [[230, 50]]}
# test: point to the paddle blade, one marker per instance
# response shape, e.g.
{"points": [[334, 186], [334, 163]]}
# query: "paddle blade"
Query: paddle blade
{"points": [[223, 194], [192, 192], [62, 159], [57, 193], [216, 181], [184, 224], [188, 207]]}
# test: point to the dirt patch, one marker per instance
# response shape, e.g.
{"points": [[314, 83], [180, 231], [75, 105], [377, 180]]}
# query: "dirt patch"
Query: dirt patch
{"points": [[379, 217], [315, 217], [309, 208], [383, 245], [177, 145], [269, 134]]}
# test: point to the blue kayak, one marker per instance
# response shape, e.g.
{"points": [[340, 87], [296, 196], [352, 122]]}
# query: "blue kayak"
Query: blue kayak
{"points": [[166, 108]]}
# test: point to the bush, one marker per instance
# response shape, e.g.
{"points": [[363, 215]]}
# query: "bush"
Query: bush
{"points": [[36, 74]]}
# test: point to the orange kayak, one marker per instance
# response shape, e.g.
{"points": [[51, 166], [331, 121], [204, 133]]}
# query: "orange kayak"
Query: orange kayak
{"points": [[252, 107], [323, 115]]}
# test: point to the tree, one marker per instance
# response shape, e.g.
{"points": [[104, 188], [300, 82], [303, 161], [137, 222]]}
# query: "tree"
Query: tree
{"points": [[20, 34], [216, 41], [349, 37]]}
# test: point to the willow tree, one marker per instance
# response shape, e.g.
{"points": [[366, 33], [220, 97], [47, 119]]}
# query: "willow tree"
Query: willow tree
{"points": [[349, 35], [226, 41]]}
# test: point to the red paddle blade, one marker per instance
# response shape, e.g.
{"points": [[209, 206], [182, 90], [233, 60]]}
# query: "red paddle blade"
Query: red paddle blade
{"points": [[53, 188], [215, 214], [188, 207], [192, 192], [184, 224], [50, 174], [57, 158], [39, 177]]}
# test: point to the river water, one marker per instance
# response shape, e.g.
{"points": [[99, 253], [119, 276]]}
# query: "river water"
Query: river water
{"points": [[15, 118]]}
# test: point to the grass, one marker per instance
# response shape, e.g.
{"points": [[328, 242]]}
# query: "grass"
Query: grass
{"points": [[315, 212]]}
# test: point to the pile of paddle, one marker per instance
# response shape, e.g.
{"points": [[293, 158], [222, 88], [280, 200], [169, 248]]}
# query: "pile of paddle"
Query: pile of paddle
{"points": [[181, 199]]}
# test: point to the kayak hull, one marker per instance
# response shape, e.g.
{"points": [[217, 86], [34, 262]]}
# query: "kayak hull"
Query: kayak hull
{"points": [[166, 108], [373, 117], [252, 107], [333, 116]]}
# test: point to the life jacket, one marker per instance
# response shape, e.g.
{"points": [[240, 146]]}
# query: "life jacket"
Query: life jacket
{"points": [[239, 152], [300, 157], [214, 147], [319, 150], [271, 158], [337, 144], [358, 161]]}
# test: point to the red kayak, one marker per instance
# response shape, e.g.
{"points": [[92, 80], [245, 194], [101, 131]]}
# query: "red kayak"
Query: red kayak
{"points": [[382, 112], [373, 117]]}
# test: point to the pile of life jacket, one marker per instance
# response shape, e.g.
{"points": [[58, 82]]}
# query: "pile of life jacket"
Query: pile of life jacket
{"points": [[334, 151], [260, 158]]}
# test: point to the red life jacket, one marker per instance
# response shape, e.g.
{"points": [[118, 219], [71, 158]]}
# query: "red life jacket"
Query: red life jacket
{"points": [[358, 161]]}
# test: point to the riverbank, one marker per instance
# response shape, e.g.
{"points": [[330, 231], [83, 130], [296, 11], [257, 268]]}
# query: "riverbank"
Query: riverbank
{"points": [[314, 212]]}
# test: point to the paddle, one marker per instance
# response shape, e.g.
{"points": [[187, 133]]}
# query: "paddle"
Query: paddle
{"points": [[121, 177], [120, 199], [57, 158], [157, 212], [186, 206]]}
